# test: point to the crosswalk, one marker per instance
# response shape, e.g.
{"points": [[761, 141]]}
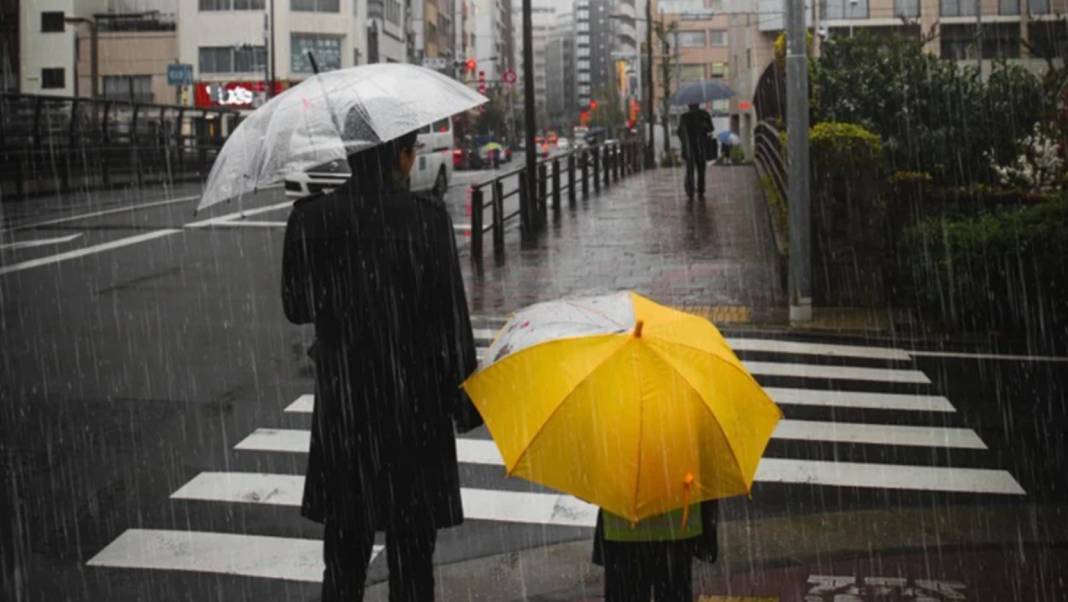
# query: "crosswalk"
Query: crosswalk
{"points": [[891, 405]]}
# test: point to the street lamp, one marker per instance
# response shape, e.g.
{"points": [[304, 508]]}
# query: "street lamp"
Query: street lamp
{"points": [[94, 61]]}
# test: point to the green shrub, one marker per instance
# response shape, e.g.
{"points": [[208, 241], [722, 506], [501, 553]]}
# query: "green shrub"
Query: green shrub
{"points": [[836, 145], [1003, 270]]}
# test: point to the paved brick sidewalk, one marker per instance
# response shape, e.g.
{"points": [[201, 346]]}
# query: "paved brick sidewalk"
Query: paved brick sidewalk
{"points": [[642, 234]]}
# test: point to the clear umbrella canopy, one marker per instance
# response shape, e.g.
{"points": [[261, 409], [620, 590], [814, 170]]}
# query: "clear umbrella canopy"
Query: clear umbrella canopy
{"points": [[328, 117]]}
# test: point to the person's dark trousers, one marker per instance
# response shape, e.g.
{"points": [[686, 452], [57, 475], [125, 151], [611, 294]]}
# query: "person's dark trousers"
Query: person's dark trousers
{"points": [[692, 167], [635, 571], [410, 553]]}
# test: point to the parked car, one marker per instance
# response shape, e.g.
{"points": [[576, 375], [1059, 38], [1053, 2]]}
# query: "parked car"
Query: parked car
{"points": [[563, 144]]}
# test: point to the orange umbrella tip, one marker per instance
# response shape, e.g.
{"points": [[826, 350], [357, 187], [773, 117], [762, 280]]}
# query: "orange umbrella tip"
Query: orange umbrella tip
{"points": [[638, 329]]}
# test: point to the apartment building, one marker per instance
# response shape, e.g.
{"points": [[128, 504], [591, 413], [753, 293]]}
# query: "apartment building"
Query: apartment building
{"points": [[697, 48], [543, 15], [47, 43], [561, 103]]}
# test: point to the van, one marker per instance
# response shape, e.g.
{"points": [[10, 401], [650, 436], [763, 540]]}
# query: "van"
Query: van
{"points": [[431, 173]]}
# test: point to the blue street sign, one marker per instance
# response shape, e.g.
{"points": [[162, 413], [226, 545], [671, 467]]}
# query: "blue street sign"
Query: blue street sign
{"points": [[179, 74]]}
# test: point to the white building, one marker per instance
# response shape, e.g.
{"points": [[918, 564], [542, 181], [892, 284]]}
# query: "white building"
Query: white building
{"points": [[386, 42], [47, 44], [493, 44], [543, 16], [227, 43]]}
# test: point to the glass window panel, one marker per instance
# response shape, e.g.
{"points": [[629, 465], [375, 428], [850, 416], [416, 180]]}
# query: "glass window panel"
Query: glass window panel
{"points": [[718, 37], [53, 78], [906, 8], [326, 49], [691, 39], [846, 9], [52, 21], [1038, 7]]}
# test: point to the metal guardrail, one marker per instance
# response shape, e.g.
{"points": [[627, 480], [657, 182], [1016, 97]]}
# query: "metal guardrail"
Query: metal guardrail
{"points": [[609, 163], [769, 157], [57, 144]]}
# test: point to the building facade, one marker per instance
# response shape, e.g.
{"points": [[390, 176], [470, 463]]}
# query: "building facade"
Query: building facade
{"points": [[230, 46], [47, 43], [561, 102], [133, 51], [543, 16], [697, 49]]}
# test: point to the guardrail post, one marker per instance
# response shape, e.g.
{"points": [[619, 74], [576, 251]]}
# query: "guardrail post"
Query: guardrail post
{"points": [[596, 169], [498, 216], [556, 185], [606, 170], [525, 214], [617, 161], [476, 223], [585, 173], [571, 179], [543, 192]]}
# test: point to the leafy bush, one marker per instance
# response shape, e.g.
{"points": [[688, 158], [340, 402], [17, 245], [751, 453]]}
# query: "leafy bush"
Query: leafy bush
{"points": [[931, 114], [1003, 270], [841, 146]]}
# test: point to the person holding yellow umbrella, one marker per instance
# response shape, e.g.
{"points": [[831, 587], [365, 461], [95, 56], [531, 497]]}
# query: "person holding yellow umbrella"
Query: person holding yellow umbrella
{"points": [[638, 408]]}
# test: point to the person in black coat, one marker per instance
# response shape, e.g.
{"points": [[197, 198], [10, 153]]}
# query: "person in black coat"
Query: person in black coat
{"points": [[695, 130], [375, 269]]}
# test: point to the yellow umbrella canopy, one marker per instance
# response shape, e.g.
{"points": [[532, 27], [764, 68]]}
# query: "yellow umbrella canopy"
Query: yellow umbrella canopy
{"points": [[633, 406]]}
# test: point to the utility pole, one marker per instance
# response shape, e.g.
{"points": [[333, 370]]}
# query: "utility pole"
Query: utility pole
{"points": [[527, 213], [800, 279], [650, 151], [979, 37], [271, 59]]}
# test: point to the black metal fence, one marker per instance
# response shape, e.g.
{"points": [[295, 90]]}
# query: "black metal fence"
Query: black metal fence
{"points": [[594, 166], [59, 144]]}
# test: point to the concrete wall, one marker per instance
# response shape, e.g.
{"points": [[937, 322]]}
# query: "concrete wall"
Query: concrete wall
{"points": [[131, 53]]}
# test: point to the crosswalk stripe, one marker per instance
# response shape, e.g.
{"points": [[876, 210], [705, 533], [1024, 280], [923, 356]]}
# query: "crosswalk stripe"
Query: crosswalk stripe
{"points": [[878, 434], [484, 334], [857, 399], [479, 504], [887, 476], [803, 348], [289, 558], [890, 375], [802, 397], [778, 470]]}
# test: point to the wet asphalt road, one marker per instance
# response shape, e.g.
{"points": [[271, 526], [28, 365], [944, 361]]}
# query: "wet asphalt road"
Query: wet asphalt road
{"points": [[131, 369]]}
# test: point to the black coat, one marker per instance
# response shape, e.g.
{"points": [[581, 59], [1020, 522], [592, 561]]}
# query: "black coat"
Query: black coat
{"points": [[695, 131], [378, 275]]}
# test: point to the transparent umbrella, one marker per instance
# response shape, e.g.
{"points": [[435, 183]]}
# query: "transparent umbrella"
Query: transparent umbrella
{"points": [[328, 117]]}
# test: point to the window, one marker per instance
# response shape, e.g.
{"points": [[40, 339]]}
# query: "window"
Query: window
{"points": [[691, 39], [137, 88], [691, 73], [315, 6], [906, 8], [52, 21], [325, 48], [718, 70], [1038, 7], [1009, 7], [228, 59], [206, 5], [442, 125], [850, 9], [717, 37], [53, 77], [957, 8]]}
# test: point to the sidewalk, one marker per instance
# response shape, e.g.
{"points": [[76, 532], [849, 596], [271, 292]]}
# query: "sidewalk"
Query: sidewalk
{"points": [[641, 233]]}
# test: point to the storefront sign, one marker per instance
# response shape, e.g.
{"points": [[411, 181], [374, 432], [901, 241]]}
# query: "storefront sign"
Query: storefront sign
{"points": [[232, 95]]}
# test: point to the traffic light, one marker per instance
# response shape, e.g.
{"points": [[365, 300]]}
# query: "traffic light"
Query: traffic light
{"points": [[593, 105], [472, 64], [481, 82]]}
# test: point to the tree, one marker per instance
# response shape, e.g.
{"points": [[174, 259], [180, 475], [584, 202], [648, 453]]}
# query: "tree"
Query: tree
{"points": [[931, 114], [492, 119], [667, 65], [608, 114]]}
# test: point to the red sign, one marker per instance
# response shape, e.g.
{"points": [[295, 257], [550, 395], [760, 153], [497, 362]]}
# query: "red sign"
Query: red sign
{"points": [[231, 95], [509, 76], [745, 105]]}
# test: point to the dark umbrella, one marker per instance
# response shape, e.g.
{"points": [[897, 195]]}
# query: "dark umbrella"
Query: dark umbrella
{"points": [[702, 91]]}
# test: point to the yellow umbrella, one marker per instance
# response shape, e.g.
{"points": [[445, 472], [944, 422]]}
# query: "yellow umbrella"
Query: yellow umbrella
{"points": [[633, 406]]}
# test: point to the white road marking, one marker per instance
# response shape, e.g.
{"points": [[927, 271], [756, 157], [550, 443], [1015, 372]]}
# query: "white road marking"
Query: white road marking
{"points": [[887, 476], [303, 404], [860, 399], [240, 224], [777, 470], [798, 347], [878, 434], [39, 242], [237, 215], [987, 356], [115, 244], [288, 558], [479, 504], [74, 218], [836, 372]]}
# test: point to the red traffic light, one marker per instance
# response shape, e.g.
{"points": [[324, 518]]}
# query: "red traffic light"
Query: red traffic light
{"points": [[472, 64], [593, 104]]}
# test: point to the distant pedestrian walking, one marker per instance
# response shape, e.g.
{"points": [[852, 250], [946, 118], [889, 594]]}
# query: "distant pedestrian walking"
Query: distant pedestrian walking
{"points": [[695, 131], [375, 269]]}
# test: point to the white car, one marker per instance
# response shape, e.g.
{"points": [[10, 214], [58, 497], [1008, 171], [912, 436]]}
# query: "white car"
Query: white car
{"points": [[563, 144], [431, 172]]}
